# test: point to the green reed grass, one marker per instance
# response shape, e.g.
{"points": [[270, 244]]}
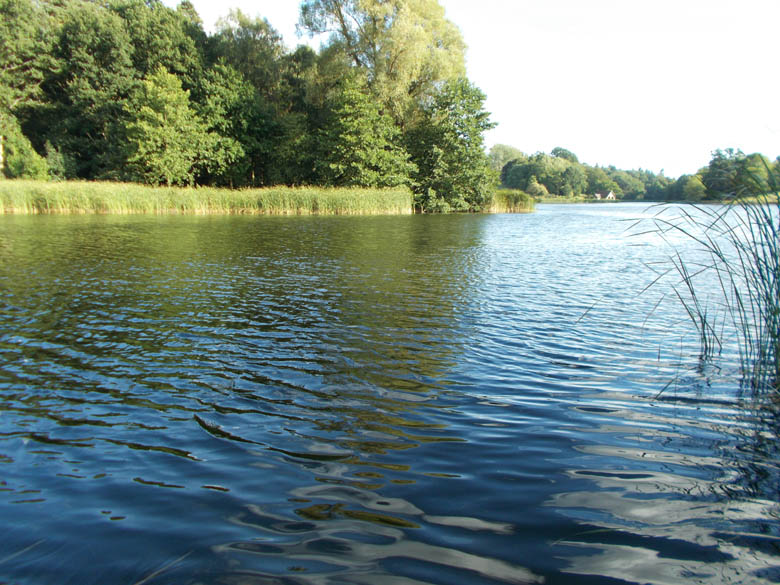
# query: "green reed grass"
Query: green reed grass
{"points": [[510, 201], [741, 243], [25, 196]]}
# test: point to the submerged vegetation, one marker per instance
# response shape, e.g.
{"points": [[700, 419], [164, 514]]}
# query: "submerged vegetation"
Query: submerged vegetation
{"points": [[135, 91], [30, 196]]}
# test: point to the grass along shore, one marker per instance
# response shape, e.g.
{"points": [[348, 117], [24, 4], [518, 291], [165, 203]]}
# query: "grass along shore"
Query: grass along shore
{"points": [[20, 196], [40, 197]]}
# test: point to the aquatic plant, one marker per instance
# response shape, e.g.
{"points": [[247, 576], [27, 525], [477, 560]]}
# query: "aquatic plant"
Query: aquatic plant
{"points": [[27, 196], [510, 201], [740, 242]]}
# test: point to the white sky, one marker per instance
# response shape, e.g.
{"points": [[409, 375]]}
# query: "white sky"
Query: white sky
{"points": [[656, 84]]}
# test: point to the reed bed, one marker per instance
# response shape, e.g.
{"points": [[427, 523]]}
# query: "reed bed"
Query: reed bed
{"points": [[741, 244], [36, 197], [510, 201]]}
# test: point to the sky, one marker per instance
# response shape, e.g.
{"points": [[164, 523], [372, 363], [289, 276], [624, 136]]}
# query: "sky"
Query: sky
{"points": [[652, 84]]}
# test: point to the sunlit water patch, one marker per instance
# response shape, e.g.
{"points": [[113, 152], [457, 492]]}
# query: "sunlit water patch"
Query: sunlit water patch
{"points": [[406, 400]]}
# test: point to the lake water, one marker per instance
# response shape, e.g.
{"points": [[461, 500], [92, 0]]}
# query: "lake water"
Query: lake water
{"points": [[473, 399]]}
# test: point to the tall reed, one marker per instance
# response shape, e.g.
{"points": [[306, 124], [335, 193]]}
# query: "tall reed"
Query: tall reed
{"points": [[510, 201], [24, 196], [741, 244]]}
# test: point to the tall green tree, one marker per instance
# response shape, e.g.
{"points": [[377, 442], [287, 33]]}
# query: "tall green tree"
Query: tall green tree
{"points": [[161, 36], [85, 94], [24, 53], [721, 177], [568, 155], [168, 143], [447, 146], [253, 47], [360, 146], [405, 47], [500, 154]]}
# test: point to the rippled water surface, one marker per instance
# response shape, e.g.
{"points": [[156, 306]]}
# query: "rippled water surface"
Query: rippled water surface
{"points": [[390, 400]]}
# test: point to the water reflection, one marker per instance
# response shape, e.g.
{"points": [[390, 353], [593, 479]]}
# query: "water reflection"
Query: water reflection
{"points": [[350, 400]]}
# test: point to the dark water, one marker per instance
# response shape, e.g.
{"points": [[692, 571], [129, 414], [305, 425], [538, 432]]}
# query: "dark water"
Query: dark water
{"points": [[404, 400]]}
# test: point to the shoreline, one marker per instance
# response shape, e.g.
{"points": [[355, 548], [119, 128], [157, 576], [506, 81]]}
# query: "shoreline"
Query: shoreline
{"points": [[37, 197]]}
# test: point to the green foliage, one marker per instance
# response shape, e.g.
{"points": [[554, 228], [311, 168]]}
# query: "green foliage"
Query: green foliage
{"points": [[405, 47], [20, 160], [160, 36], [600, 182], [133, 89], [167, 140], [24, 53], [559, 175], [564, 154], [501, 154], [252, 47], [360, 145], [85, 95], [446, 145], [536, 189]]}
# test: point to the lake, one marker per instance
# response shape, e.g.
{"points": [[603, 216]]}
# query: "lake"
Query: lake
{"points": [[465, 399]]}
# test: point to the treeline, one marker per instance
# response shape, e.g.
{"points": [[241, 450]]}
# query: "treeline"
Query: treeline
{"points": [[132, 90], [560, 174]]}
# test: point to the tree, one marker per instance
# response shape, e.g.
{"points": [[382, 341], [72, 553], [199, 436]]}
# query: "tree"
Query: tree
{"points": [[161, 36], [447, 146], [253, 47], [360, 145], [19, 159], [564, 154], [24, 54], [693, 189], [167, 140], [85, 94], [600, 182], [721, 177], [405, 47], [500, 154]]}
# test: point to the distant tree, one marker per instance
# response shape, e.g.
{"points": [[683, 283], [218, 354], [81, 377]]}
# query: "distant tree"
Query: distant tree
{"points": [[565, 154], [630, 186], [576, 178], [721, 177], [447, 146], [693, 188], [500, 154], [253, 47], [755, 175], [506, 173], [536, 189], [600, 182]]}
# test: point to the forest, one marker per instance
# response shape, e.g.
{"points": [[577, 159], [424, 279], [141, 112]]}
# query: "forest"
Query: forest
{"points": [[132, 90], [730, 173], [135, 91]]}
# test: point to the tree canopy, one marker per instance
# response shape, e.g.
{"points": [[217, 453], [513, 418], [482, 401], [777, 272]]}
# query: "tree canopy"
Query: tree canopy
{"points": [[136, 90]]}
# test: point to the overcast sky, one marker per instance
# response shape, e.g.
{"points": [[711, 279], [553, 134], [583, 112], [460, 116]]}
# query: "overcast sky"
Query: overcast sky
{"points": [[656, 84]]}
